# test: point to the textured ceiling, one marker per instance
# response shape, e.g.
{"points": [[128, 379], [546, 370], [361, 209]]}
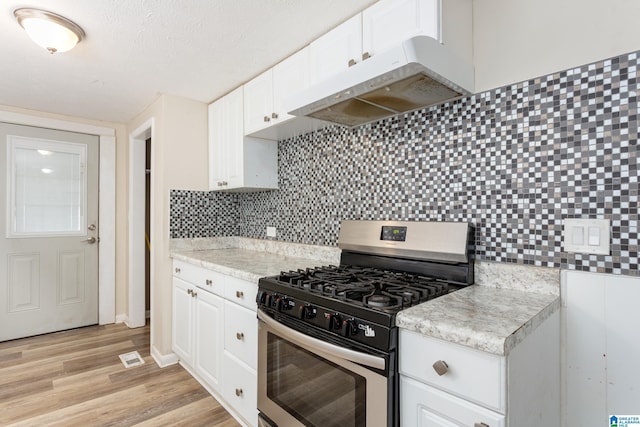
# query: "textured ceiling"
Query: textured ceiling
{"points": [[137, 49]]}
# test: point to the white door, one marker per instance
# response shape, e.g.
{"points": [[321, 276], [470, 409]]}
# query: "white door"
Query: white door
{"points": [[48, 250]]}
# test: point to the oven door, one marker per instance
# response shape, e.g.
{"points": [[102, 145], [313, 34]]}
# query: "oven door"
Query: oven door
{"points": [[304, 381]]}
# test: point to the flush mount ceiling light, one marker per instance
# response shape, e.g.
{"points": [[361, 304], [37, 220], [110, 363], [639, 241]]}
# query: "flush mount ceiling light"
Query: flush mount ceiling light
{"points": [[49, 30]]}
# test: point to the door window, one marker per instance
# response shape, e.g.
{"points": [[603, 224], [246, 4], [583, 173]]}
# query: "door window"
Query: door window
{"points": [[46, 188]]}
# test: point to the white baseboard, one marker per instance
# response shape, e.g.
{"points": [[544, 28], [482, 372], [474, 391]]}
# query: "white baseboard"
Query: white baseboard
{"points": [[163, 360]]}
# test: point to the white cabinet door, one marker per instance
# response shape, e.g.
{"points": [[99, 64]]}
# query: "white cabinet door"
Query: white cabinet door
{"points": [[425, 406], [226, 134], [209, 337], [183, 320], [240, 388], [390, 22], [258, 103], [289, 77], [216, 137], [333, 52], [241, 292], [476, 375], [263, 96], [241, 333]]}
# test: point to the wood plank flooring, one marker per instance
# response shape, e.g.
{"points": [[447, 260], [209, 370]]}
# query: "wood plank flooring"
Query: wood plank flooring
{"points": [[75, 379]]}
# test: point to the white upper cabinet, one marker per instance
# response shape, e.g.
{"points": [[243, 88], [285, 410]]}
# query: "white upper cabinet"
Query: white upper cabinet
{"points": [[376, 29], [289, 76], [225, 141], [263, 105], [258, 103], [334, 51], [237, 162], [389, 22]]}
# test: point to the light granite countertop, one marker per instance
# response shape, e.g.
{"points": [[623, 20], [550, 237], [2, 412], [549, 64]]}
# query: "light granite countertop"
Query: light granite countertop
{"points": [[244, 264], [490, 319], [493, 316]]}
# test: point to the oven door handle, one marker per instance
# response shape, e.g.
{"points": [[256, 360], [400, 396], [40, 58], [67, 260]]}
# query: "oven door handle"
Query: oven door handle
{"points": [[319, 345]]}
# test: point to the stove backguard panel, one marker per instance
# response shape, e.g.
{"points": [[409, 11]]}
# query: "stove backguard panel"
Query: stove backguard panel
{"points": [[514, 161]]}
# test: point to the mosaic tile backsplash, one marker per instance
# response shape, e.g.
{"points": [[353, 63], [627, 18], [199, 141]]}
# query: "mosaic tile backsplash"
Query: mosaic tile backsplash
{"points": [[514, 161]]}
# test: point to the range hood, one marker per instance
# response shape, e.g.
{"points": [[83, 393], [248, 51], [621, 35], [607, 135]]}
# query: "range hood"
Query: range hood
{"points": [[417, 73]]}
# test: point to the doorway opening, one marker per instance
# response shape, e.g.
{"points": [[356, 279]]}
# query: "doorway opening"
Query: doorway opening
{"points": [[140, 225], [147, 230]]}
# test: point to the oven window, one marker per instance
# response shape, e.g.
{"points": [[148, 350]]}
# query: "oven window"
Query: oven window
{"points": [[312, 389]]}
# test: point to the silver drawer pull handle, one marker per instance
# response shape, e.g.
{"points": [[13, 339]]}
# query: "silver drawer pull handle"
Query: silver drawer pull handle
{"points": [[189, 291], [352, 62], [177, 270], [194, 294], [481, 425], [239, 294], [274, 115], [238, 392], [239, 336], [441, 367], [209, 282]]}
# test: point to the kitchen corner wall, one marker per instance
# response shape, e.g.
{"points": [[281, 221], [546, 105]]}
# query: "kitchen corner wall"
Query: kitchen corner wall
{"points": [[514, 161]]}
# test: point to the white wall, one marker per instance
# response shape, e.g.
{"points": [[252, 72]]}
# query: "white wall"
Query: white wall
{"points": [[602, 349], [515, 40], [178, 161]]}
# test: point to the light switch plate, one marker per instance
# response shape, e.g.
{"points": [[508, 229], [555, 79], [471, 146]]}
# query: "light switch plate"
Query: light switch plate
{"points": [[587, 236], [271, 232]]}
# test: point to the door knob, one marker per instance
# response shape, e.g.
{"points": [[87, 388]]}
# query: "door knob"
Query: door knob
{"points": [[90, 240]]}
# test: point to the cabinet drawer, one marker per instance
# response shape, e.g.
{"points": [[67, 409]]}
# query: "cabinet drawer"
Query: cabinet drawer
{"points": [[241, 333], [199, 276], [425, 406], [241, 292], [473, 375], [240, 388]]}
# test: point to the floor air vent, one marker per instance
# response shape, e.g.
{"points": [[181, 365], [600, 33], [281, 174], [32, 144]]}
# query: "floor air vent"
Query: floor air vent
{"points": [[129, 360]]}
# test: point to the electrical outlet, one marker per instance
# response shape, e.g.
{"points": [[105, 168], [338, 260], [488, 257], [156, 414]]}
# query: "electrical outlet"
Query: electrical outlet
{"points": [[587, 236], [271, 232]]}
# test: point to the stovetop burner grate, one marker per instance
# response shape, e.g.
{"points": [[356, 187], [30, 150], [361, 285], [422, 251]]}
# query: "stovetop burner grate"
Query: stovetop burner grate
{"points": [[369, 287]]}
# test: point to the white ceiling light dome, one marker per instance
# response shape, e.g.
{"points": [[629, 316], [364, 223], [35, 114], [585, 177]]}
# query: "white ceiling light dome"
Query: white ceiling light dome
{"points": [[49, 30]]}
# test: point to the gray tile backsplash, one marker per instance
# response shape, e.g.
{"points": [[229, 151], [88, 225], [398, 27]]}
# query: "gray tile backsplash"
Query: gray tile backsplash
{"points": [[514, 161]]}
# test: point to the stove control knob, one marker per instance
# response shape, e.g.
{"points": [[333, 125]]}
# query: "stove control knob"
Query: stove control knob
{"points": [[262, 297], [335, 321], [307, 311], [285, 304], [274, 301], [349, 328]]}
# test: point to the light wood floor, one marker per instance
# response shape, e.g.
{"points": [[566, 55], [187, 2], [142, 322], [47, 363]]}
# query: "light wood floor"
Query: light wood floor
{"points": [[75, 378]]}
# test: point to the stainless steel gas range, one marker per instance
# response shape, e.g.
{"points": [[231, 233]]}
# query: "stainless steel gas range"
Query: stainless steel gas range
{"points": [[327, 337]]}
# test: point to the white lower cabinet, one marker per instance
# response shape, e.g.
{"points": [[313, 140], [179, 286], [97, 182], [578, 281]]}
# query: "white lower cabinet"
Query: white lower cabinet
{"points": [[479, 389], [425, 406], [215, 333], [240, 387], [198, 321], [209, 331], [183, 328]]}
